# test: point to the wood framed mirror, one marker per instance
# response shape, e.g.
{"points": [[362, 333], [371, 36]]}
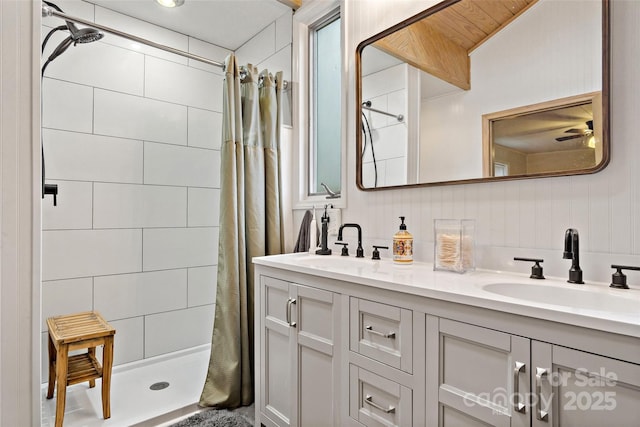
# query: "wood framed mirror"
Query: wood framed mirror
{"points": [[470, 91]]}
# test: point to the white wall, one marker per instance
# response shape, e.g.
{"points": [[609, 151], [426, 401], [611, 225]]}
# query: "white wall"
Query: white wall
{"points": [[132, 138], [520, 218], [19, 215]]}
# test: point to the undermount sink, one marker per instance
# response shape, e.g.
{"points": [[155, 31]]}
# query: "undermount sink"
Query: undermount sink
{"points": [[577, 298], [325, 262]]}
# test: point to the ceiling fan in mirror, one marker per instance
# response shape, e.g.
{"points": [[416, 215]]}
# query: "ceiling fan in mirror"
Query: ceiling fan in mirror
{"points": [[578, 133]]}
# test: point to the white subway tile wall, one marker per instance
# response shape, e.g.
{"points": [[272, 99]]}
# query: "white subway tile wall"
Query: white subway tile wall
{"points": [[85, 157], [387, 91], [202, 286], [73, 211], [165, 331], [132, 137], [136, 117]]}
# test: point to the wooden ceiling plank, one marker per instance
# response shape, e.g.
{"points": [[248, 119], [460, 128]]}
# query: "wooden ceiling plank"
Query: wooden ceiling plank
{"points": [[516, 5], [293, 4], [475, 16], [496, 9], [452, 33], [462, 26], [427, 49], [505, 23]]}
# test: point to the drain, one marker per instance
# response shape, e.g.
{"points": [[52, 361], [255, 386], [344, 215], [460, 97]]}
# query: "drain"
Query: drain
{"points": [[159, 386]]}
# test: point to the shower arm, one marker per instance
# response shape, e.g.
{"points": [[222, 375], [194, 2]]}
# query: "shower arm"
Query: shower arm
{"points": [[49, 11]]}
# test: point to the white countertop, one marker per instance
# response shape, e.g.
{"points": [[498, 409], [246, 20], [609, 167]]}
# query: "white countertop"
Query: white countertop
{"points": [[592, 305]]}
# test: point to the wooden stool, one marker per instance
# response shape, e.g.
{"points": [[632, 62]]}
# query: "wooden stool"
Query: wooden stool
{"points": [[72, 332]]}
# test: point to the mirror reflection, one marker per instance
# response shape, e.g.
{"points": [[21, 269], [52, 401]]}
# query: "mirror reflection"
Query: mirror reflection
{"points": [[559, 136], [470, 91]]}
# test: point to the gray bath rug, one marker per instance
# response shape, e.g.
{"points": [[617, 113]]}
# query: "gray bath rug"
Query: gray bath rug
{"points": [[241, 417]]}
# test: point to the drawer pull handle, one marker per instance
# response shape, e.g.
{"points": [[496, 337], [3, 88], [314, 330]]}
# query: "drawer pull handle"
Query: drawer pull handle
{"points": [[391, 335], [290, 302], [389, 410], [540, 414], [517, 405]]}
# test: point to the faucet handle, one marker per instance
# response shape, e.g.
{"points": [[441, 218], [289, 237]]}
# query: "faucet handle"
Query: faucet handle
{"points": [[619, 279], [536, 269], [376, 253], [345, 250]]}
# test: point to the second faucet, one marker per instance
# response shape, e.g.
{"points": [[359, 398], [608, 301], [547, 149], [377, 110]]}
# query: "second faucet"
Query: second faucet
{"points": [[572, 252]]}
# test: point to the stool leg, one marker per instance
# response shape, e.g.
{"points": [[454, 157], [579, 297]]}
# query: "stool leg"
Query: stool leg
{"points": [[52, 368], [61, 375], [107, 363], [92, 352]]}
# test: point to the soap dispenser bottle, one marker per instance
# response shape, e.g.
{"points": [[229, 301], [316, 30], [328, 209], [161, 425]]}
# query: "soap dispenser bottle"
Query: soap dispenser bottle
{"points": [[403, 245]]}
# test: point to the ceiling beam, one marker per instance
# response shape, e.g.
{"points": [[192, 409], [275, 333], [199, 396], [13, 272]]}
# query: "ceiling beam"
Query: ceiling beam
{"points": [[293, 4], [429, 50]]}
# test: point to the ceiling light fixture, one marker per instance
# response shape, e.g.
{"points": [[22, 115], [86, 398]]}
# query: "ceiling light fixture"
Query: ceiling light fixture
{"points": [[170, 3]]}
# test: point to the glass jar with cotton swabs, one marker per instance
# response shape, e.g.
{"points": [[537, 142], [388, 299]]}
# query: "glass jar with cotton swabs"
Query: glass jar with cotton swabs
{"points": [[454, 245]]}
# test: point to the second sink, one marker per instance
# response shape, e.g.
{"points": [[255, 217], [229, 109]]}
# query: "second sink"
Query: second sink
{"points": [[578, 298]]}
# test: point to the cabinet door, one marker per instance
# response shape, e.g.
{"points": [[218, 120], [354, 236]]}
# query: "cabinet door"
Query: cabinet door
{"points": [[275, 353], [574, 388], [482, 376], [314, 364]]}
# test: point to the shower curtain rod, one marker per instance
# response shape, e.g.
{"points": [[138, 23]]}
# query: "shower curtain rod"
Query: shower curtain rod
{"points": [[49, 11]]}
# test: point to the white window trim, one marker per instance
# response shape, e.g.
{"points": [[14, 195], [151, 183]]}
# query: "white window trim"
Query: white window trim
{"points": [[304, 18]]}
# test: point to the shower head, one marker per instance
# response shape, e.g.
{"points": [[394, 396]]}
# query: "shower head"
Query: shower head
{"points": [[59, 50], [83, 35]]}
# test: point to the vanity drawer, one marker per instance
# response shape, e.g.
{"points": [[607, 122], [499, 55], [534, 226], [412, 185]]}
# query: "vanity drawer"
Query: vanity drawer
{"points": [[377, 401], [382, 332]]}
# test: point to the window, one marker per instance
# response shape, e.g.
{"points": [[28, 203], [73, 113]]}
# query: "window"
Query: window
{"points": [[318, 104], [500, 169], [325, 107]]}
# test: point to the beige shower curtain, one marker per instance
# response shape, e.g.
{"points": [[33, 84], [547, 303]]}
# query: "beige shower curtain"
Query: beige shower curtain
{"points": [[250, 225]]}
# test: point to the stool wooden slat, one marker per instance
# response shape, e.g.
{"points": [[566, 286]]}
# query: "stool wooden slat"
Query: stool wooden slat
{"points": [[86, 330]]}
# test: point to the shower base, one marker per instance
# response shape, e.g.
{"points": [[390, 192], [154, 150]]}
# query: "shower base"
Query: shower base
{"points": [[133, 401]]}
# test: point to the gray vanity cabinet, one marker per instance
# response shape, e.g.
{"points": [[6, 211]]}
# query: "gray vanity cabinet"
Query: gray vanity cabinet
{"points": [[478, 376], [472, 373], [333, 352], [576, 388], [298, 373]]}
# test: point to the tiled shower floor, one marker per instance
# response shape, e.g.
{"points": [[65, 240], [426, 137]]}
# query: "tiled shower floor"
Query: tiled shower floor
{"points": [[132, 401]]}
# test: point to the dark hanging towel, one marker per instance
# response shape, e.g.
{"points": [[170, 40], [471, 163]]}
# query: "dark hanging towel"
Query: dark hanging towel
{"points": [[304, 235]]}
